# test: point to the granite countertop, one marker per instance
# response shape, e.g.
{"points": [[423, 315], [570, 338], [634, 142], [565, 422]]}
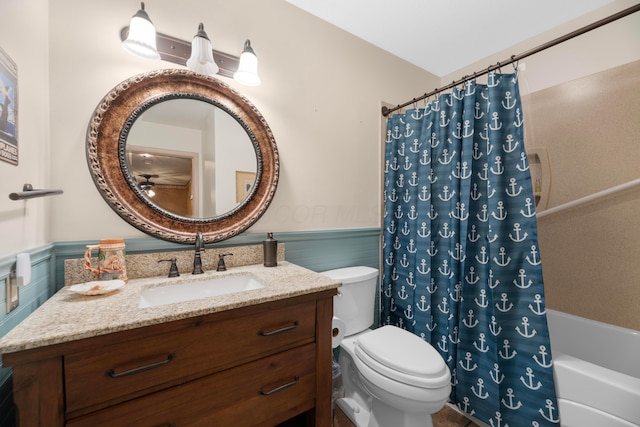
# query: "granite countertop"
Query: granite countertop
{"points": [[68, 316]]}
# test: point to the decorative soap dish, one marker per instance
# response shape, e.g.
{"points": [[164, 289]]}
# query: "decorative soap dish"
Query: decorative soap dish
{"points": [[97, 287]]}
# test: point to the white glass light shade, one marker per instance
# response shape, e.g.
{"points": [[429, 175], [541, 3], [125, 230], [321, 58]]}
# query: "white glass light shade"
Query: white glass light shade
{"points": [[141, 40], [201, 60], [247, 73]]}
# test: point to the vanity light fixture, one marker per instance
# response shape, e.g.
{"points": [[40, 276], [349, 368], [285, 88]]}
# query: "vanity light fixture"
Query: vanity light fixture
{"points": [[247, 73], [201, 60], [140, 38]]}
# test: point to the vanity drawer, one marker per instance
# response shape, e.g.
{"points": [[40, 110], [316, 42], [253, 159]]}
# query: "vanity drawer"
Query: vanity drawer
{"points": [[109, 375], [260, 393]]}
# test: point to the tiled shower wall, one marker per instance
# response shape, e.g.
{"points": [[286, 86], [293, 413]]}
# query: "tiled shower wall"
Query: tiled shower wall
{"points": [[591, 130]]}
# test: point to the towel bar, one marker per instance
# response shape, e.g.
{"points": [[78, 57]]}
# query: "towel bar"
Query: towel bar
{"points": [[28, 192]]}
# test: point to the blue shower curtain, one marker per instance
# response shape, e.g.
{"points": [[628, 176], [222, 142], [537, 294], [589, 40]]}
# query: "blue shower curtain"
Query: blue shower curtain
{"points": [[461, 264]]}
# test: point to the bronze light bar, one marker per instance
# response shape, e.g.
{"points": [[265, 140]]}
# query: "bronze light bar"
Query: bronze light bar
{"points": [[178, 51]]}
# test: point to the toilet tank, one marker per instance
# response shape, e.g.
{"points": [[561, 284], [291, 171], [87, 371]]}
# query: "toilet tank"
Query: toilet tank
{"points": [[355, 302]]}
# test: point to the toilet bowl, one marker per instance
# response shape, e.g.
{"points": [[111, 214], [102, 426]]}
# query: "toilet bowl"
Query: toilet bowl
{"points": [[391, 377]]}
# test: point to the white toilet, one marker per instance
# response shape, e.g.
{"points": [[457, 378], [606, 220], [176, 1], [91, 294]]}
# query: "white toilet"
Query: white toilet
{"points": [[391, 377]]}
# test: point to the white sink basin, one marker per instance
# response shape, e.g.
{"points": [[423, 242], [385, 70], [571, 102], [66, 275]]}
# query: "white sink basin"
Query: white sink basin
{"points": [[181, 292]]}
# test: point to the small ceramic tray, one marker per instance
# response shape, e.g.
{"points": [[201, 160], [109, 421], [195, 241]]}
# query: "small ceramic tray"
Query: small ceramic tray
{"points": [[97, 287]]}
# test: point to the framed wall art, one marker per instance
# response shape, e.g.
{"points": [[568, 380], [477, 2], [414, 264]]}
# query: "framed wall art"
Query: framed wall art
{"points": [[244, 182], [8, 109]]}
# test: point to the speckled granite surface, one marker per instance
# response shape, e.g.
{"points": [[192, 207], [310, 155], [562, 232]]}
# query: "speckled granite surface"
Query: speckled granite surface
{"points": [[146, 265], [68, 316]]}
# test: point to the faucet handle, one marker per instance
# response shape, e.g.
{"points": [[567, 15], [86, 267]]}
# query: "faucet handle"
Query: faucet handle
{"points": [[173, 270], [221, 266]]}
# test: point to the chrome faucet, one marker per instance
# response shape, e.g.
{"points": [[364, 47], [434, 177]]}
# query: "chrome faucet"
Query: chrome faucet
{"points": [[197, 261]]}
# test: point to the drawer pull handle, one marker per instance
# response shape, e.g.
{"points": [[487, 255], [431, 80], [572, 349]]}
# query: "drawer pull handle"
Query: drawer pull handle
{"points": [[282, 387], [111, 373], [278, 331]]}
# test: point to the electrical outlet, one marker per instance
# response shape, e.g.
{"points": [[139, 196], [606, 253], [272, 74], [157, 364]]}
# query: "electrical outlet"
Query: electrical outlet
{"points": [[12, 292]]}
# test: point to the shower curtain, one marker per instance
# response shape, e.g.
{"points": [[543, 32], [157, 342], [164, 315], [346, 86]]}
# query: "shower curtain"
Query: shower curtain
{"points": [[461, 264]]}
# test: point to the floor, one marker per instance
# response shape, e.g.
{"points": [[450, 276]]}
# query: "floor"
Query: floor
{"points": [[447, 417]]}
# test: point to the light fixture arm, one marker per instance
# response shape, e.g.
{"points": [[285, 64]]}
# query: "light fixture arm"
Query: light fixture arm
{"points": [[141, 13], [201, 32], [177, 51], [247, 47]]}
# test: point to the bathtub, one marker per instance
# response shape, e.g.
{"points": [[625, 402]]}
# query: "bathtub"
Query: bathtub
{"points": [[596, 370]]}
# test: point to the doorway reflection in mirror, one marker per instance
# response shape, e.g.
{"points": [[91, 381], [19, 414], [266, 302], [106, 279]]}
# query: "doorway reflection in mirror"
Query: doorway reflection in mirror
{"points": [[193, 151]]}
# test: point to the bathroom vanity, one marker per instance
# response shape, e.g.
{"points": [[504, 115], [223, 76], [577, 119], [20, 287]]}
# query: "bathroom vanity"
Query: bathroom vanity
{"points": [[252, 358]]}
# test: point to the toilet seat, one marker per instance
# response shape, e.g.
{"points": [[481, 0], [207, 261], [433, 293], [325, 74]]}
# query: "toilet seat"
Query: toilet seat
{"points": [[403, 357]]}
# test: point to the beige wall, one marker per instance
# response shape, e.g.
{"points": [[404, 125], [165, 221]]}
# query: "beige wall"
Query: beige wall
{"points": [[23, 32], [590, 128], [321, 96]]}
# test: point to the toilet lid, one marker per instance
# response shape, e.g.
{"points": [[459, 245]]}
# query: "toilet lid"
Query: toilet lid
{"points": [[402, 356]]}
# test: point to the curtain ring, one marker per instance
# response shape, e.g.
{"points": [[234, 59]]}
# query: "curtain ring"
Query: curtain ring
{"points": [[463, 82], [435, 92], [426, 102], [516, 70], [499, 67], [515, 63], [489, 70]]}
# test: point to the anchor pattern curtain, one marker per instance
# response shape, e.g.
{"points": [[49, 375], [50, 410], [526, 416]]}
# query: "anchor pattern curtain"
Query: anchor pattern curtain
{"points": [[461, 265]]}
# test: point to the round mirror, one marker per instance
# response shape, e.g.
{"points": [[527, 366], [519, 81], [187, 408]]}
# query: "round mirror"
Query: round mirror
{"points": [[174, 153], [191, 158]]}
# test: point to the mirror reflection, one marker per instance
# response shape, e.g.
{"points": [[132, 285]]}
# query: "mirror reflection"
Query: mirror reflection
{"points": [[191, 158]]}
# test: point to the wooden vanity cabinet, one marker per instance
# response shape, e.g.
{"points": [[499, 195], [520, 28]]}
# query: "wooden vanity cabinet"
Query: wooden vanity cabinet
{"points": [[253, 366]]}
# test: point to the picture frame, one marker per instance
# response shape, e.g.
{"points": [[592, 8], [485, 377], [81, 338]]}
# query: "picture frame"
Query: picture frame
{"points": [[244, 182], [8, 109]]}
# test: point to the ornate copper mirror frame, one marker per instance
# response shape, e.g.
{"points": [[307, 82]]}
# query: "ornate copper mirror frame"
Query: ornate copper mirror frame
{"points": [[106, 142]]}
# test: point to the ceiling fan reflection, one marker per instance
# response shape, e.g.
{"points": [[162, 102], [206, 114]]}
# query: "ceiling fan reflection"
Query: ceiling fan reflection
{"points": [[147, 185]]}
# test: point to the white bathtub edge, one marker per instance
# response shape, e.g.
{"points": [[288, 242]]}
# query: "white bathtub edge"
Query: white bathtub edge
{"points": [[574, 414], [595, 387]]}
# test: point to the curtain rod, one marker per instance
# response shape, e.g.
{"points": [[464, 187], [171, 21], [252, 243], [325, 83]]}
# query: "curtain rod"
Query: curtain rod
{"points": [[514, 58]]}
